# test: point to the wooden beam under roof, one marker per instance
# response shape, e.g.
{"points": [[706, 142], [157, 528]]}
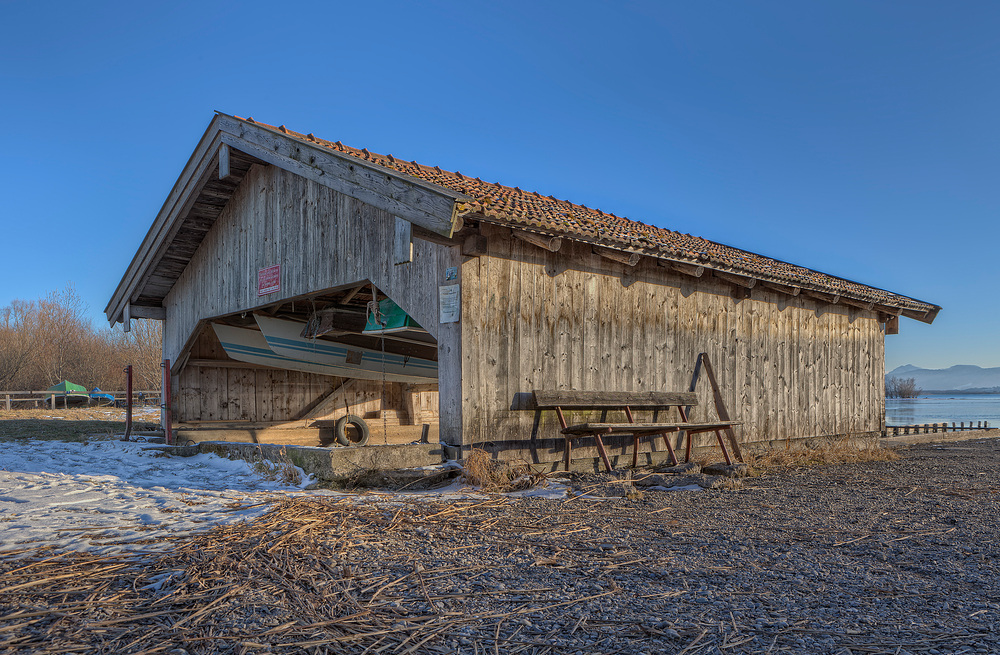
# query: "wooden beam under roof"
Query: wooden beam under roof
{"points": [[831, 298], [860, 304], [687, 269], [625, 257], [739, 280], [223, 161], [146, 311], [552, 244], [781, 288], [914, 314]]}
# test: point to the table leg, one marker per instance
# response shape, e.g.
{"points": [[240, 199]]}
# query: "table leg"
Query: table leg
{"points": [[670, 449], [722, 444], [604, 453]]}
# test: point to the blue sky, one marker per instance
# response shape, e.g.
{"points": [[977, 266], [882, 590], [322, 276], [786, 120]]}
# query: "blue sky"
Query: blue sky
{"points": [[857, 138]]}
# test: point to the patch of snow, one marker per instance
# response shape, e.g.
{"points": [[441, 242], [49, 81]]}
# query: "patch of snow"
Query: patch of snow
{"points": [[102, 495], [549, 491]]}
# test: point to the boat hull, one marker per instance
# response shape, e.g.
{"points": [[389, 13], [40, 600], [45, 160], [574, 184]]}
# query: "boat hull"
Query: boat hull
{"points": [[256, 347]]}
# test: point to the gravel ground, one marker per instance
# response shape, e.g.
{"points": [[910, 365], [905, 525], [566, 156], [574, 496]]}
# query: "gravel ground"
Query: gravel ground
{"points": [[885, 557]]}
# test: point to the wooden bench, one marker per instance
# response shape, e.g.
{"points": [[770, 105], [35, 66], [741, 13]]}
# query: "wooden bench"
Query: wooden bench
{"points": [[626, 401]]}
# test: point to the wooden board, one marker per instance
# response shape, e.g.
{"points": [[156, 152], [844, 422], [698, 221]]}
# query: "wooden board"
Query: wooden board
{"points": [[605, 399]]}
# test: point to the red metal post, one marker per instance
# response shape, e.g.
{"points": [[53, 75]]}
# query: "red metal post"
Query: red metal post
{"points": [[128, 402], [165, 398]]}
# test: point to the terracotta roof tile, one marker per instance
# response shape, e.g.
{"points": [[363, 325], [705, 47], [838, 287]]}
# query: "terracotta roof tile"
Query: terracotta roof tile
{"points": [[512, 207]]}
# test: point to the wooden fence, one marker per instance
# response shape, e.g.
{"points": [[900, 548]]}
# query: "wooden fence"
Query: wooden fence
{"points": [[40, 398], [927, 428]]}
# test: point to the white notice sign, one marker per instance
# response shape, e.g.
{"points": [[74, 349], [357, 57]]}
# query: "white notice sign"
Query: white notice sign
{"points": [[451, 303]]}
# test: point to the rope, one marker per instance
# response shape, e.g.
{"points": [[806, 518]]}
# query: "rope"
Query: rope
{"points": [[379, 319]]}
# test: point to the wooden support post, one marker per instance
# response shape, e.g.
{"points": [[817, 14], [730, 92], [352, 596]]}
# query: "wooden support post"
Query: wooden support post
{"points": [[720, 406], [603, 452], [223, 161], [402, 244], [722, 445], [670, 449], [8, 402], [569, 442], [53, 399], [165, 415]]}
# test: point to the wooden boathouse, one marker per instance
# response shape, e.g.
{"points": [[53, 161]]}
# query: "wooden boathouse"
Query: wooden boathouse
{"points": [[303, 280]]}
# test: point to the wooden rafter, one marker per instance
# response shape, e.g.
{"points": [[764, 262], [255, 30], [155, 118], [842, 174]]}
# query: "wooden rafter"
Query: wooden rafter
{"points": [[550, 243]]}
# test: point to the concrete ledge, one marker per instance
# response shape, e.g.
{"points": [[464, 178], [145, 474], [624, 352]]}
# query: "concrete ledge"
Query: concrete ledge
{"points": [[940, 437], [333, 464]]}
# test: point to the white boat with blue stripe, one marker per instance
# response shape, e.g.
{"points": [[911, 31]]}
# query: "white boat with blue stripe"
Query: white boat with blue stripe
{"points": [[279, 344]]}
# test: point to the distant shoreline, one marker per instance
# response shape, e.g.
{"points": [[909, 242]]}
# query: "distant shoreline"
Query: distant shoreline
{"points": [[970, 392]]}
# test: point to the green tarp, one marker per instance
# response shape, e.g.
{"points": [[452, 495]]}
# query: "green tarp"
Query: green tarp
{"points": [[393, 318], [67, 388]]}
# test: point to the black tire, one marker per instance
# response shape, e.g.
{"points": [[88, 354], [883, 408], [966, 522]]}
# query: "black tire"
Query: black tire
{"points": [[340, 430]]}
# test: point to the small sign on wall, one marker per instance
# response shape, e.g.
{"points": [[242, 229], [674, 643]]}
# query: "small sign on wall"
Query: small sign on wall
{"points": [[451, 303], [268, 280]]}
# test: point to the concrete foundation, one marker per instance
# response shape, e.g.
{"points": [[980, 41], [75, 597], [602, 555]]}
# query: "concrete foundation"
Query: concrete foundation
{"points": [[333, 464]]}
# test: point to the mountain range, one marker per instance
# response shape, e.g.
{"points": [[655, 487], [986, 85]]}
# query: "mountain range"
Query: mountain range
{"points": [[963, 377]]}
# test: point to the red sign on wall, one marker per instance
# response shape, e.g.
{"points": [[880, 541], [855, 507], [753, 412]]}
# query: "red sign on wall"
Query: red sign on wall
{"points": [[268, 280]]}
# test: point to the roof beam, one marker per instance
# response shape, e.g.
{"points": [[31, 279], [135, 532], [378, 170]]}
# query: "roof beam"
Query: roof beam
{"points": [[686, 269], [860, 304], [832, 298], [918, 316], [782, 288], [147, 311], [738, 280], [627, 258], [552, 244], [223, 161]]}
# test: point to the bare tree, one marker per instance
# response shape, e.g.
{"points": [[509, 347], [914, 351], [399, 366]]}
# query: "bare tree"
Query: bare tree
{"points": [[142, 348], [45, 341], [902, 388], [17, 341]]}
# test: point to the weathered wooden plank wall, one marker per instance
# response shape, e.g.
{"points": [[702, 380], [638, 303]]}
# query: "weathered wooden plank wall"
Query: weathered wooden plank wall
{"points": [[322, 240], [789, 367]]}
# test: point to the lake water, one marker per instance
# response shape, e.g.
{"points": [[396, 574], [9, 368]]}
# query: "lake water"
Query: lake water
{"points": [[944, 408]]}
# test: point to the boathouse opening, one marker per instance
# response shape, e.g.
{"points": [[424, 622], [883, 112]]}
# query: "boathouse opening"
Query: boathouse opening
{"points": [[344, 365]]}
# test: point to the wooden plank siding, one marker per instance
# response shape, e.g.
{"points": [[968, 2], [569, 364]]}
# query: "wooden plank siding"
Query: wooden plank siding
{"points": [[322, 239], [789, 367], [531, 318]]}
